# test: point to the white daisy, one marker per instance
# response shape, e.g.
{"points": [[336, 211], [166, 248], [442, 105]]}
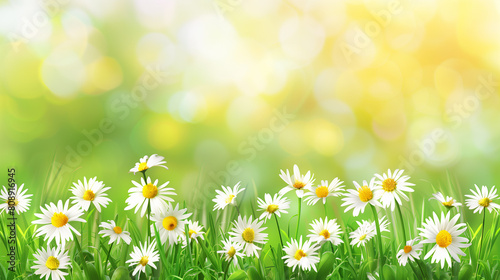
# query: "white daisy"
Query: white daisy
{"points": [[145, 163], [363, 233], [325, 230], [393, 185], [170, 223], [384, 224], [447, 202], [248, 233], [445, 235], [90, 192], [142, 256], [298, 182], [48, 263], [360, 197], [410, 252], [147, 192], [195, 231], [21, 201], [304, 255], [482, 199], [227, 196], [231, 250], [114, 232], [273, 205], [55, 220], [323, 191]]}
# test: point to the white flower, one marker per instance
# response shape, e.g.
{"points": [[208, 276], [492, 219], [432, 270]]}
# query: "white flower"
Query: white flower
{"points": [[298, 182], [114, 232], [448, 202], [363, 233], [145, 163], [410, 252], [362, 196], [170, 223], [323, 191], [323, 231], [148, 192], [270, 205], [90, 192], [304, 255], [393, 186], [55, 221], [248, 233], [49, 263], [445, 235], [228, 196], [384, 224], [145, 255], [21, 201], [195, 231], [482, 199], [231, 250]]}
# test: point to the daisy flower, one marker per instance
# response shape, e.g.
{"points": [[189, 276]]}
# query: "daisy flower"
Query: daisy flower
{"points": [[231, 250], [170, 223], [195, 231], [384, 224], [482, 199], [90, 192], [142, 256], [55, 220], [145, 163], [298, 182], [147, 192], [410, 252], [445, 235], [226, 197], [304, 255], [363, 233], [48, 263], [362, 196], [447, 202], [393, 186], [273, 205], [248, 233], [323, 191], [21, 202], [325, 230], [114, 232]]}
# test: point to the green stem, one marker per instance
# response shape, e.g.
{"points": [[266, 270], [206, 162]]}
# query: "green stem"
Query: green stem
{"points": [[402, 223], [148, 229], [107, 257], [379, 240], [324, 204], [279, 231], [480, 243], [227, 267], [188, 242], [298, 220]]}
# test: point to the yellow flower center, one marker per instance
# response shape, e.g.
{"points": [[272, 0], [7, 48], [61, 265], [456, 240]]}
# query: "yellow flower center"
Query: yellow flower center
{"points": [[407, 249], [117, 230], [322, 191], [448, 203], [144, 260], [170, 223], [52, 263], [362, 237], [59, 219], [149, 191], [443, 239], [89, 195], [248, 235], [231, 252], [16, 202], [299, 254], [389, 185], [365, 194], [230, 198], [298, 185], [142, 166], [325, 233], [272, 208], [485, 202], [191, 232]]}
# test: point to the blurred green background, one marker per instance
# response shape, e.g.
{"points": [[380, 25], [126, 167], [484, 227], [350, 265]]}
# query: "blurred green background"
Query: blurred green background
{"points": [[232, 91]]}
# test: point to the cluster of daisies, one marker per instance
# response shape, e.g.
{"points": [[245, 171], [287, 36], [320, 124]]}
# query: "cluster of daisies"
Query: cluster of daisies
{"points": [[171, 224]]}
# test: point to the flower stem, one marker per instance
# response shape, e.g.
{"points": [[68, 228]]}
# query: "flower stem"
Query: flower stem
{"points": [[324, 204], [107, 257], [379, 240], [402, 223], [148, 229], [227, 267], [480, 243], [279, 231], [298, 220]]}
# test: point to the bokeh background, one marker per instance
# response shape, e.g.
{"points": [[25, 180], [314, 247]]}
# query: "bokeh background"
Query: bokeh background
{"points": [[235, 90]]}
